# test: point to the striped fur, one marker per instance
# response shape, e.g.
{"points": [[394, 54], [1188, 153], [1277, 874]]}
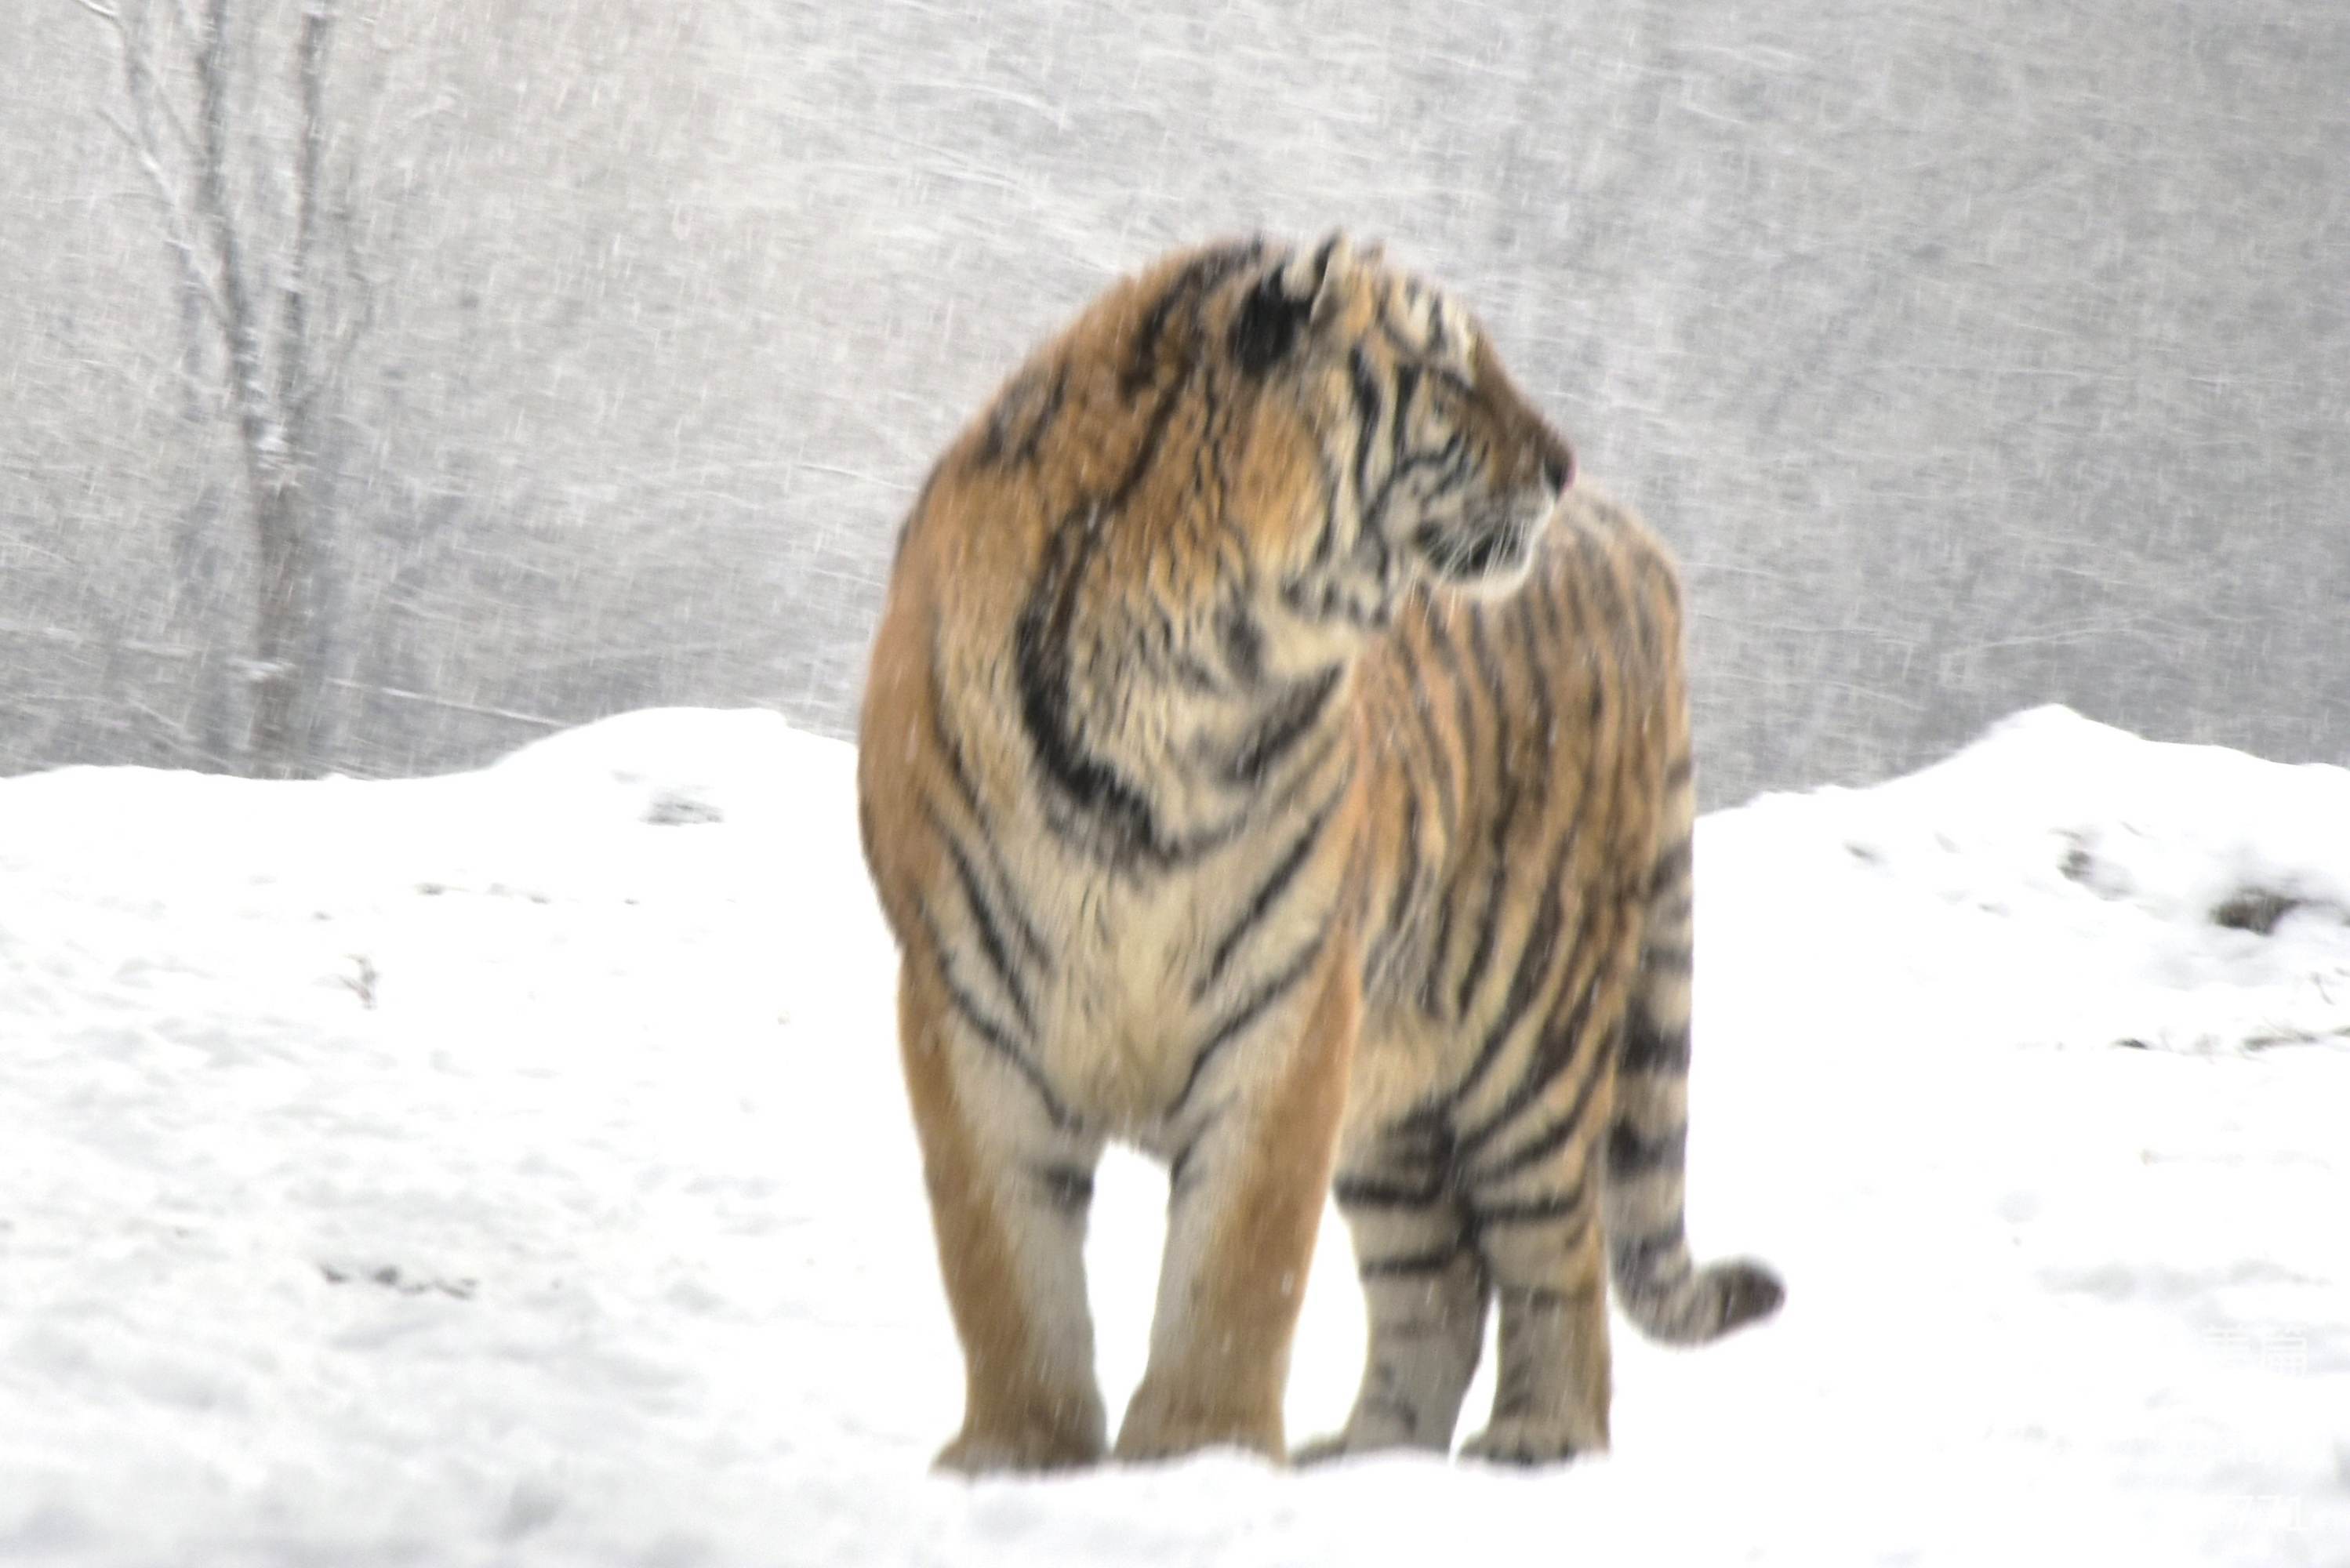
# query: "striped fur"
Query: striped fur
{"points": [[1517, 1115], [1202, 741]]}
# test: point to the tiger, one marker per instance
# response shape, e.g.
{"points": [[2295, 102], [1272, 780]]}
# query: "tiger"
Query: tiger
{"points": [[1271, 760]]}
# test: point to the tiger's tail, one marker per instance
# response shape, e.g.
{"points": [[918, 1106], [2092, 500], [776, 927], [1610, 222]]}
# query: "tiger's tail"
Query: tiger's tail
{"points": [[1658, 1284]]}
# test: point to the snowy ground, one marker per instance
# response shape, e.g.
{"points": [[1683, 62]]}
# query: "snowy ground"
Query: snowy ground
{"points": [[511, 1168]]}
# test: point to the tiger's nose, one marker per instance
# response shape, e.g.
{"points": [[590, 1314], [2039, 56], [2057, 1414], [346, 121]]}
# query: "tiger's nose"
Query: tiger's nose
{"points": [[1558, 466]]}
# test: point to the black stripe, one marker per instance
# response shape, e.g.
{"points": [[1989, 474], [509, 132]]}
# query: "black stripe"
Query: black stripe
{"points": [[1145, 452], [1041, 652], [1489, 671], [959, 774], [1366, 388], [1394, 337], [1448, 653], [1406, 388], [1041, 658], [1307, 771], [1437, 755], [994, 1034], [1287, 720], [1021, 407], [1609, 613], [1242, 639], [1665, 957], [1642, 1258], [1521, 620], [1182, 1170], [1068, 1188], [1554, 1054], [1417, 1139], [1182, 292], [1321, 262], [1526, 979], [1325, 543], [1544, 591], [945, 739], [1208, 451], [1672, 866], [1248, 1011], [1364, 1192], [1630, 1155], [990, 939], [1377, 561], [1585, 809], [1407, 1264], [1045, 420], [1552, 1138], [1455, 466], [1571, 1204], [1261, 901], [1195, 676], [1440, 643], [1643, 1047]]}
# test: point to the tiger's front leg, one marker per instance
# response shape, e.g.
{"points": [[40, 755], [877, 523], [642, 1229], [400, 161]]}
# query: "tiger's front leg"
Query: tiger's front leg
{"points": [[1245, 1192], [1010, 1179]]}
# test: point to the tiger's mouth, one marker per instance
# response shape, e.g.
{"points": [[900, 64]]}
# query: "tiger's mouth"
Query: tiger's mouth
{"points": [[1490, 552]]}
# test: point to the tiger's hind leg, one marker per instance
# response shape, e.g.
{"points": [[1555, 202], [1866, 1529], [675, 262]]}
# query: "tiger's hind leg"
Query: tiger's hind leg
{"points": [[1010, 1181], [1425, 1289], [1536, 1217]]}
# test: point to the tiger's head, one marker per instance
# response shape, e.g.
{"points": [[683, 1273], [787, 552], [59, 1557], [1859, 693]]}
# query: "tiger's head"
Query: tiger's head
{"points": [[1431, 464]]}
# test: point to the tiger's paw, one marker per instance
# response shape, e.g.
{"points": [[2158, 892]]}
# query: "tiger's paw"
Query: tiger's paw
{"points": [[1517, 1440], [1355, 1442], [1323, 1450], [1160, 1429], [1024, 1445]]}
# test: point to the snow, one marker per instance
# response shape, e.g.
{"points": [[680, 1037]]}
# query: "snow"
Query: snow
{"points": [[511, 1167]]}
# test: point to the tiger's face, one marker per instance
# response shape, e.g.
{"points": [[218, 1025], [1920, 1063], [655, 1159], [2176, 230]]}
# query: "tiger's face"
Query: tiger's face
{"points": [[1437, 468]]}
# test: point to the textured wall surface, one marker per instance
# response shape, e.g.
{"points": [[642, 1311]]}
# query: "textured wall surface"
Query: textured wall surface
{"points": [[1971, 355]]}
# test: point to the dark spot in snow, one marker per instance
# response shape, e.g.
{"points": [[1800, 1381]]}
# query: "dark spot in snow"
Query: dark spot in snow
{"points": [[391, 1279], [2076, 864], [430, 889], [2132, 1044], [2254, 910], [672, 810], [1866, 854]]}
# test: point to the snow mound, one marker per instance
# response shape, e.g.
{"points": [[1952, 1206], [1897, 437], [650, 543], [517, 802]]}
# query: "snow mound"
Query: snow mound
{"points": [[511, 1167], [2117, 890]]}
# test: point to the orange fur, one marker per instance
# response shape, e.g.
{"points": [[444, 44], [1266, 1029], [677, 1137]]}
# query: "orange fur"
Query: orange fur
{"points": [[1209, 775]]}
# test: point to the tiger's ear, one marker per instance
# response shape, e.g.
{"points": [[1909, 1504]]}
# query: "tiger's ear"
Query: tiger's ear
{"points": [[1276, 310], [1306, 290], [1323, 276]]}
